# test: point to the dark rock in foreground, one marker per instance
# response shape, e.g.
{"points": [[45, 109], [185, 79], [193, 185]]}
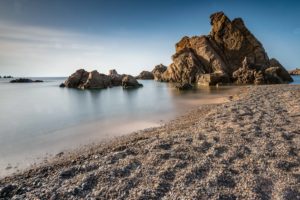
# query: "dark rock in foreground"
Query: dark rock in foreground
{"points": [[229, 54], [145, 75], [82, 79], [25, 80], [295, 72]]}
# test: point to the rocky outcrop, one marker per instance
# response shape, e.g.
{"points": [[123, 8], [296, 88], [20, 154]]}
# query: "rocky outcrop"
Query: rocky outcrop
{"points": [[96, 80], [82, 79], [25, 80], [77, 79], [295, 72], [7, 77], [158, 72], [116, 79], [145, 75], [129, 82], [229, 54]]}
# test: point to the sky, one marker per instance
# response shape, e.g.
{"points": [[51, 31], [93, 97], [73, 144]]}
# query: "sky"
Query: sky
{"points": [[54, 38]]}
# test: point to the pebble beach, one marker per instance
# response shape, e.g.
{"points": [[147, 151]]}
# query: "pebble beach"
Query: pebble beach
{"points": [[244, 148]]}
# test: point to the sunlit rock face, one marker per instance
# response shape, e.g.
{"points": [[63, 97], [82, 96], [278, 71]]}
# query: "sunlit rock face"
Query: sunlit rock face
{"points": [[229, 54]]}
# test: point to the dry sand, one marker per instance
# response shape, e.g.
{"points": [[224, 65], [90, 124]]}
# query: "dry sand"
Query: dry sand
{"points": [[247, 148]]}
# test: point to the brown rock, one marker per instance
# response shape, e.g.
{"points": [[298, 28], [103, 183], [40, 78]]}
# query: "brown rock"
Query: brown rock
{"points": [[230, 53], [277, 71], [116, 79], [158, 71], [183, 86], [129, 82], [212, 79], [145, 75], [96, 81], [77, 79], [295, 72], [87, 80]]}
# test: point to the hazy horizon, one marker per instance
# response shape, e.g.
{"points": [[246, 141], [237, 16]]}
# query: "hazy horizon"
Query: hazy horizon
{"points": [[41, 38]]}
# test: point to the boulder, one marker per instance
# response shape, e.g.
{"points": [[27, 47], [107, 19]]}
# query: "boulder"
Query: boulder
{"points": [[145, 75], [96, 80], [87, 80], [229, 54], [212, 79], [184, 86], [116, 79], [130, 82], [295, 72], [77, 79], [158, 71]]}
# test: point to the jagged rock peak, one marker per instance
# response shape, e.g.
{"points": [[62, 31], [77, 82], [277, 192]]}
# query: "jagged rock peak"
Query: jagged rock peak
{"points": [[230, 53]]}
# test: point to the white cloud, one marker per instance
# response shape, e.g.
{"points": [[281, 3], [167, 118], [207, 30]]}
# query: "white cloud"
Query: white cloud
{"points": [[39, 51]]}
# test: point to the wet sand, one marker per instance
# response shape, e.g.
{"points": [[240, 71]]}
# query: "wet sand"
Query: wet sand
{"points": [[247, 148]]}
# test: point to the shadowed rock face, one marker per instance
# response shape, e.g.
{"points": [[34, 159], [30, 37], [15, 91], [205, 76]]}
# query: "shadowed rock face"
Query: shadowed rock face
{"points": [[88, 80], [229, 54]]}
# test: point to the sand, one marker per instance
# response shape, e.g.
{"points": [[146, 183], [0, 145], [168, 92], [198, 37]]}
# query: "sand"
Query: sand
{"points": [[247, 148]]}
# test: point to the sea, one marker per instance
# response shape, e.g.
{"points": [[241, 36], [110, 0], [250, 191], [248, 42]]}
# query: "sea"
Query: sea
{"points": [[40, 120]]}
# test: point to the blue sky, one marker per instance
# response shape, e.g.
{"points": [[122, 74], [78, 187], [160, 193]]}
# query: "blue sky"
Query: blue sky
{"points": [[54, 38]]}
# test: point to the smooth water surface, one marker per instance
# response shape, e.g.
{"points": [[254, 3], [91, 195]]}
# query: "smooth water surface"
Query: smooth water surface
{"points": [[296, 80], [40, 118]]}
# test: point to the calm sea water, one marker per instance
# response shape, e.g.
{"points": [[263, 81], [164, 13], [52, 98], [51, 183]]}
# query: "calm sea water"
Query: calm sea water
{"points": [[296, 79], [41, 118]]}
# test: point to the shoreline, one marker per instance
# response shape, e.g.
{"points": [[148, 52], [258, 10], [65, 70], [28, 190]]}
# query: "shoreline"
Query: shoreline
{"points": [[234, 149], [95, 131]]}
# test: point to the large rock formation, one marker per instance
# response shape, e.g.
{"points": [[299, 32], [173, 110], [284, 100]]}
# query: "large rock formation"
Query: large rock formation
{"points": [[94, 80], [158, 71], [229, 54], [295, 72]]}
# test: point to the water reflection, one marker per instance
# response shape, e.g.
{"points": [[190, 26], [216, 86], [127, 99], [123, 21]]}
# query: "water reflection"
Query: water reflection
{"points": [[38, 118]]}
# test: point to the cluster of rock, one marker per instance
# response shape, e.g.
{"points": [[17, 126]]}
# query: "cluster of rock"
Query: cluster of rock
{"points": [[295, 72], [6, 77], [229, 54], [94, 80], [25, 80]]}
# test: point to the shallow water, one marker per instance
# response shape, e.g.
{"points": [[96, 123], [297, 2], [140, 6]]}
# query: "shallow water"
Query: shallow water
{"points": [[296, 80], [41, 118]]}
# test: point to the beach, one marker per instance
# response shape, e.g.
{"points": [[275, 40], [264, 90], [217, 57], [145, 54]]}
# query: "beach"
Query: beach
{"points": [[244, 148]]}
